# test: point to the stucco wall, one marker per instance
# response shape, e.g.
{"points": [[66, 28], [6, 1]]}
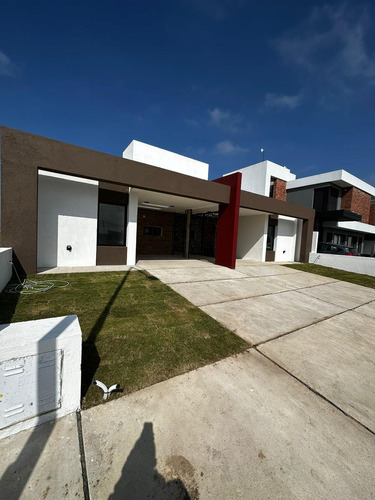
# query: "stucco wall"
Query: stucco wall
{"points": [[252, 237], [361, 265], [67, 215], [5, 267], [285, 241], [257, 178]]}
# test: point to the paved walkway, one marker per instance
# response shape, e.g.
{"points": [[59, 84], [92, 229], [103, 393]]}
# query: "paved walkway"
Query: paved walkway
{"points": [[293, 417]]}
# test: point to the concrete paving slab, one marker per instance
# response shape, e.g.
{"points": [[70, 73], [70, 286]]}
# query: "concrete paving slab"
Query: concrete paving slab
{"points": [[84, 269], [342, 294], [335, 358], [262, 318], [368, 309], [266, 270], [213, 292], [186, 275], [301, 280], [241, 428], [171, 263], [43, 462]]}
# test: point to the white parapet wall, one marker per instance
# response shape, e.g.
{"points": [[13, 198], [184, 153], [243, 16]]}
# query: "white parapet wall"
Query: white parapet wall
{"points": [[40, 372], [361, 265], [161, 158], [5, 267]]}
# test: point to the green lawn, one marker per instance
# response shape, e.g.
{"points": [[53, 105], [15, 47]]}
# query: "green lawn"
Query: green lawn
{"points": [[358, 279], [136, 330]]}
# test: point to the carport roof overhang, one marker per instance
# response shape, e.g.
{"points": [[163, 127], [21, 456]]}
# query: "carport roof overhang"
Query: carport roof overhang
{"points": [[276, 207], [22, 154]]}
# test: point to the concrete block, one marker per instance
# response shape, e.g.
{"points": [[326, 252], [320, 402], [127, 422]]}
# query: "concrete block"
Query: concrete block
{"points": [[5, 267], [335, 358], [40, 372]]}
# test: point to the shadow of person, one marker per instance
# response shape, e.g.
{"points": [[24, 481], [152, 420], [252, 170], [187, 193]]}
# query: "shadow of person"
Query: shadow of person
{"points": [[140, 479]]}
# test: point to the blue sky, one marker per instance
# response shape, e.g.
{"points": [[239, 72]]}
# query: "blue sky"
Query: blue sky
{"points": [[212, 79]]}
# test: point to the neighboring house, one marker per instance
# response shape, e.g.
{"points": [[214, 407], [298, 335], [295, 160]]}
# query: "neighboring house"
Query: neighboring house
{"points": [[345, 208], [67, 206]]}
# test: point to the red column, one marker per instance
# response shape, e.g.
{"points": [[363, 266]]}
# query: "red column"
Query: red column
{"points": [[227, 224]]}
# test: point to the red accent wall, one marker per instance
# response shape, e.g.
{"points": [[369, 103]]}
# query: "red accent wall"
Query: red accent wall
{"points": [[358, 202], [227, 224], [279, 190]]}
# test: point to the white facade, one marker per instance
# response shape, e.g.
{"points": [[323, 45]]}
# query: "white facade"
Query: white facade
{"points": [[252, 230], [161, 158], [286, 238], [131, 228], [40, 372], [252, 237], [257, 178], [67, 216]]}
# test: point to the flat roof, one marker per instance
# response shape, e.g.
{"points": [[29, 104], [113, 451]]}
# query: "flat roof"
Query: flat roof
{"points": [[340, 177]]}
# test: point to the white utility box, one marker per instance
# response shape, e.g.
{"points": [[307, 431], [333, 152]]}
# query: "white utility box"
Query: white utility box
{"points": [[40, 372]]}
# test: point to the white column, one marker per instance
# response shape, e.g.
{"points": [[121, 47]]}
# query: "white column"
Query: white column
{"points": [[131, 228]]}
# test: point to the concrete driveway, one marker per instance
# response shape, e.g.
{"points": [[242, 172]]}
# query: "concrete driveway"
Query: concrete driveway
{"points": [[292, 417]]}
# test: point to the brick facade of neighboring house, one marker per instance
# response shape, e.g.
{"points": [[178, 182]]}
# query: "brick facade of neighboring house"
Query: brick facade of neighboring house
{"points": [[358, 202], [279, 190], [148, 244], [372, 215]]}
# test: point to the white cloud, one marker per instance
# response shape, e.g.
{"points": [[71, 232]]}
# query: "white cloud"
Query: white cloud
{"points": [[331, 43], [7, 68], [228, 148], [230, 122], [192, 122], [283, 101]]}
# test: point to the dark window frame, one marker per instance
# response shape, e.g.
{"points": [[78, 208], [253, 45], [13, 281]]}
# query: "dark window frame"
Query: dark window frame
{"points": [[151, 233], [124, 206]]}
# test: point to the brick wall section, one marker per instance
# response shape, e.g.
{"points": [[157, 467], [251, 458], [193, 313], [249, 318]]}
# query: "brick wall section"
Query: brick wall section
{"points": [[357, 201], [155, 245], [279, 190], [372, 215]]}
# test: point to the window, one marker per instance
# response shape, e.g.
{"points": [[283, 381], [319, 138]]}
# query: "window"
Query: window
{"points": [[272, 187], [152, 231], [111, 225]]}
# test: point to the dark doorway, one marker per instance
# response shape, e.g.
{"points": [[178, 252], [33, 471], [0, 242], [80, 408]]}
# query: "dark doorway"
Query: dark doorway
{"points": [[203, 234]]}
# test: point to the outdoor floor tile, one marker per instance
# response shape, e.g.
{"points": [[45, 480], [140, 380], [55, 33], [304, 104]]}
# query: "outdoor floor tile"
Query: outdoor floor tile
{"points": [[172, 264], [368, 309], [335, 358], [341, 293], [301, 280], [239, 429], [186, 275], [261, 318], [212, 292], [43, 462], [266, 270]]}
